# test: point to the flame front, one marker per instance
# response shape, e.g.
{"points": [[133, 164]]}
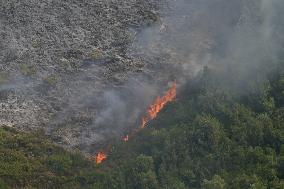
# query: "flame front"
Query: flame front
{"points": [[100, 157], [151, 113], [158, 105]]}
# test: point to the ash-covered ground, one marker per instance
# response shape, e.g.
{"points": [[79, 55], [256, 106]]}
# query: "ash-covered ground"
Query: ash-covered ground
{"points": [[58, 59], [85, 71]]}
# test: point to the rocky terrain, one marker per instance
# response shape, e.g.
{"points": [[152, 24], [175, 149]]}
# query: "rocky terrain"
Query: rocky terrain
{"points": [[85, 71], [58, 57], [142, 94]]}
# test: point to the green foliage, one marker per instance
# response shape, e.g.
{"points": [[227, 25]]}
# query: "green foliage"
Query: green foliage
{"points": [[28, 70], [30, 161], [3, 185], [211, 138], [36, 43], [215, 183], [4, 77], [96, 54], [141, 174], [51, 80], [208, 138]]}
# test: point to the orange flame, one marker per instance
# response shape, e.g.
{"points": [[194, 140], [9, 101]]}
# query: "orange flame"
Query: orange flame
{"points": [[158, 105], [100, 157], [152, 112]]}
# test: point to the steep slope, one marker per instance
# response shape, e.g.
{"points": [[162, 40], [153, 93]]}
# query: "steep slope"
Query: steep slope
{"points": [[207, 138], [57, 58], [31, 161]]}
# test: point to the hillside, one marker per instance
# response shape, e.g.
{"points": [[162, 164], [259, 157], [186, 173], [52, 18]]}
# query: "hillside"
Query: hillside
{"points": [[142, 94], [59, 57], [207, 138]]}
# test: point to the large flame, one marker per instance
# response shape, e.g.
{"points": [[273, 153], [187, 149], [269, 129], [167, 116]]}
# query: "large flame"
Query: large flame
{"points": [[158, 104], [100, 157]]}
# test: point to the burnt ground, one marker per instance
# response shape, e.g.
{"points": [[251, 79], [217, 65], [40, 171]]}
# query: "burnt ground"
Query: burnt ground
{"points": [[85, 71], [58, 57]]}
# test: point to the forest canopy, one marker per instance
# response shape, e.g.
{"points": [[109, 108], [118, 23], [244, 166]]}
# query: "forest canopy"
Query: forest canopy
{"points": [[207, 138]]}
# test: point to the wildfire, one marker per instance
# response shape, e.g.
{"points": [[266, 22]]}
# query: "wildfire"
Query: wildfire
{"points": [[151, 113], [158, 104], [100, 157]]}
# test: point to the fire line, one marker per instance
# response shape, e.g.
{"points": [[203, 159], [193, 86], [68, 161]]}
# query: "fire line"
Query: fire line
{"points": [[101, 156], [151, 113], [159, 104]]}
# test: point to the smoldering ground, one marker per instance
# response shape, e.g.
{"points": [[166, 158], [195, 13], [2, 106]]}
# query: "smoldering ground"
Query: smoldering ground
{"points": [[240, 39]]}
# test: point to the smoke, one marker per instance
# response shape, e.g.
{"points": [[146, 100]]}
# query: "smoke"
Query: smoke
{"points": [[188, 33], [252, 50], [236, 38], [241, 39], [124, 105]]}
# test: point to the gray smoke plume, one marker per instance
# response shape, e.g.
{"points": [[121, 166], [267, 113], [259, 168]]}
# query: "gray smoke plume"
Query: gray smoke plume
{"points": [[237, 37], [96, 99], [240, 38]]}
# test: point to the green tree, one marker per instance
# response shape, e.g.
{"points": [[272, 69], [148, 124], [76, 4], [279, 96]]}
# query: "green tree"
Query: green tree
{"points": [[215, 183], [141, 174]]}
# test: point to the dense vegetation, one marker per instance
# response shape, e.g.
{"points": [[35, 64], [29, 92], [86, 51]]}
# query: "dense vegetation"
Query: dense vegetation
{"points": [[30, 161], [210, 138]]}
